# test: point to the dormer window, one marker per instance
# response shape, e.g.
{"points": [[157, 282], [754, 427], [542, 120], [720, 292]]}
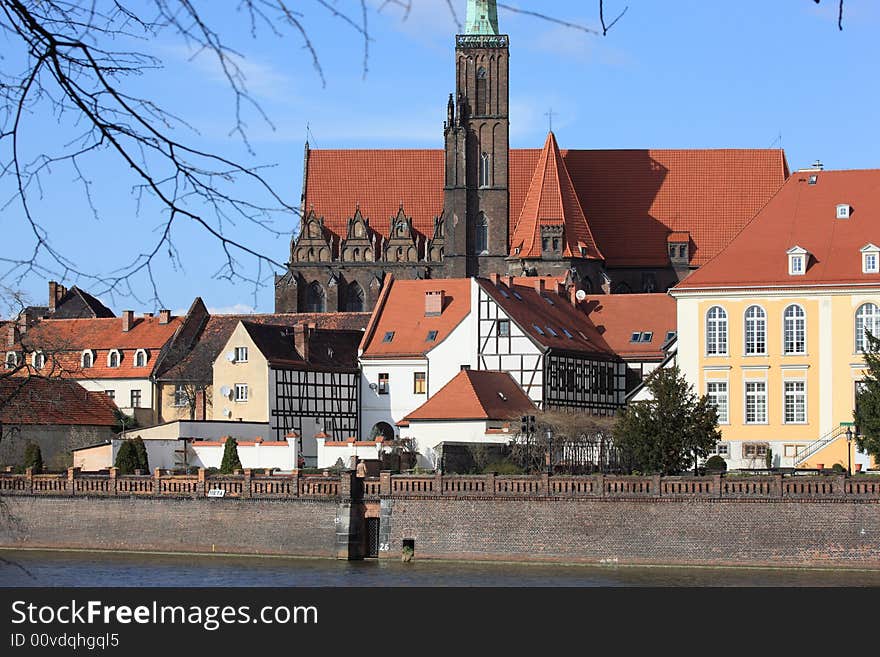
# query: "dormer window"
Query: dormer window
{"points": [[38, 360], [797, 261], [113, 358], [870, 259], [87, 359], [11, 360], [843, 211], [140, 358]]}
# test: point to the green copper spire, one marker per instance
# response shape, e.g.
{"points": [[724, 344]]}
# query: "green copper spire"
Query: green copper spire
{"points": [[482, 17]]}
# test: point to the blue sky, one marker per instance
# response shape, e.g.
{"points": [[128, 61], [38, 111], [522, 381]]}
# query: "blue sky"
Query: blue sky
{"points": [[672, 74]]}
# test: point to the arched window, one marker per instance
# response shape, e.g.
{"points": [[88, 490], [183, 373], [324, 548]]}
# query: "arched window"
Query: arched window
{"points": [[11, 360], [88, 359], [867, 319], [140, 358], [482, 104], [716, 331], [794, 330], [316, 301], [38, 360], [756, 330], [481, 235], [113, 359], [485, 169], [354, 302]]}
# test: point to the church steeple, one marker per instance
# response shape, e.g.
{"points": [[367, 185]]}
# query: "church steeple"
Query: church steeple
{"points": [[482, 17]]}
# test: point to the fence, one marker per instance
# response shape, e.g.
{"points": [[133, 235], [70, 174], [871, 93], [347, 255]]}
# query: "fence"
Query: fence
{"points": [[295, 486]]}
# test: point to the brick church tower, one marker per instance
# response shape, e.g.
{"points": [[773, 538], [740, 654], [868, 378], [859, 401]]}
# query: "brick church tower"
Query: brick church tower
{"points": [[476, 204]]}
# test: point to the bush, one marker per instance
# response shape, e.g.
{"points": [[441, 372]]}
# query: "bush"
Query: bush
{"points": [[838, 469], [230, 462], [716, 464], [140, 451], [33, 457], [768, 459], [127, 458], [503, 468]]}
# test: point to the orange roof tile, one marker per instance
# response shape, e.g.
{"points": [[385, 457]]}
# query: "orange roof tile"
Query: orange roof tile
{"points": [[633, 198], [476, 395], [36, 400], [551, 199], [532, 310], [678, 236], [803, 215], [618, 316], [403, 314], [63, 341]]}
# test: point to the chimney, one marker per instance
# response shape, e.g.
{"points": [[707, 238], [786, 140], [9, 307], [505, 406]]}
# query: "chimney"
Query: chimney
{"points": [[200, 405], [560, 288], [127, 320], [539, 285], [13, 335], [434, 303], [148, 315], [495, 278], [301, 340], [573, 294], [56, 292], [164, 316], [508, 280]]}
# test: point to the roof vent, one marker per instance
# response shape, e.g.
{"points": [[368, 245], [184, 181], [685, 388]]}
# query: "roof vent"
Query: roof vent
{"points": [[843, 210]]}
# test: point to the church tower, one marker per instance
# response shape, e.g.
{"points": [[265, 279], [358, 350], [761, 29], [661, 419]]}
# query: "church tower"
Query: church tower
{"points": [[477, 138]]}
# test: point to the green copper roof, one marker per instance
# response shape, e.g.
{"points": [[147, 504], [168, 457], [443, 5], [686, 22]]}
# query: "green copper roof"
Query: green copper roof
{"points": [[482, 17]]}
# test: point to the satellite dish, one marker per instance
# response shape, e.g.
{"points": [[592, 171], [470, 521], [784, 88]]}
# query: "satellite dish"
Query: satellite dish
{"points": [[580, 295], [230, 356], [227, 412], [225, 390]]}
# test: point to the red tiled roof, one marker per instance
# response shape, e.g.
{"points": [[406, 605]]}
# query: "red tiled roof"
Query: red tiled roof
{"points": [[618, 316], [35, 400], [474, 395], [632, 198], [403, 313], [551, 200], [678, 236], [803, 215], [63, 341], [532, 309]]}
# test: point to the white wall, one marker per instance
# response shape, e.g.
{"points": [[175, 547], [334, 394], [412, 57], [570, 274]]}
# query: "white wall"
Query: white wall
{"points": [[205, 429], [328, 455], [251, 456], [400, 400], [427, 435], [122, 390]]}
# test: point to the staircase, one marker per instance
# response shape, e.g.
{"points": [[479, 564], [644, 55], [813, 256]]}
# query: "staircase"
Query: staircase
{"points": [[823, 442]]}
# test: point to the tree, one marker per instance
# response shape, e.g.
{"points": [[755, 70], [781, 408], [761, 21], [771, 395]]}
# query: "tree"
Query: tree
{"points": [[867, 412], [33, 457], [230, 462], [576, 443], [127, 458], [140, 451], [673, 430]]}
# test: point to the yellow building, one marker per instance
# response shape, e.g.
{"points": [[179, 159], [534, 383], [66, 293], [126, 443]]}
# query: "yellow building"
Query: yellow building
{"points": [[772, 329]]}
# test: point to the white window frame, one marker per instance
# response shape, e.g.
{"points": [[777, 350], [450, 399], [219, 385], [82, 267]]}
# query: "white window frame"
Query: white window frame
{"points": [[140, 396], [719, 322], [38, 356], [798, 257], [13, 363], [722, 449], [873, 252], [177, 399], [843, 210], [803, 321], [241, 392], [746, 384], [82, 359], [141, 352], [239, 352], [722, 419], [795, 394], [874, 317], [760, 321], [118, 358]]}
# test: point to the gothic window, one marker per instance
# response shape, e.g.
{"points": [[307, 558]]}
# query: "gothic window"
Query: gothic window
{"points": [[355, 301], [484, 170], [481, 235], [316, 301], [482, 104]]}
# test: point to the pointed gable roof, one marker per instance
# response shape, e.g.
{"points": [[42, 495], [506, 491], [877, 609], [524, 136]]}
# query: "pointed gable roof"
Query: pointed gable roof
{"points": [[476, 395], [552, 200]]}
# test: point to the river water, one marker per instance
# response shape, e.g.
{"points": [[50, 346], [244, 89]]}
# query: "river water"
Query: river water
{"points": [[39, 568]]}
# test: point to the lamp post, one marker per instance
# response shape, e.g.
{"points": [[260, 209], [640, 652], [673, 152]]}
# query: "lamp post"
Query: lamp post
{"points": [[849, 437], [549, 451]]}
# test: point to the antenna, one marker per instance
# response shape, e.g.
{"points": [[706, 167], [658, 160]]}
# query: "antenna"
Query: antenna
{"points": [[225, 390], [580, 295], [230, 356]]}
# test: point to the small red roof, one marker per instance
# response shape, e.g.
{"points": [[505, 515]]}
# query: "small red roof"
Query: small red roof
{"points": [[552, 200], [401, 329], [476, 395], [805, 215], [35, 400], [618, 317], [678, 236]]}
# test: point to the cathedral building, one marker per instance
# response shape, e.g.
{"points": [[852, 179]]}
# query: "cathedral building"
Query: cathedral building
{"points": [[605, 221]]}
